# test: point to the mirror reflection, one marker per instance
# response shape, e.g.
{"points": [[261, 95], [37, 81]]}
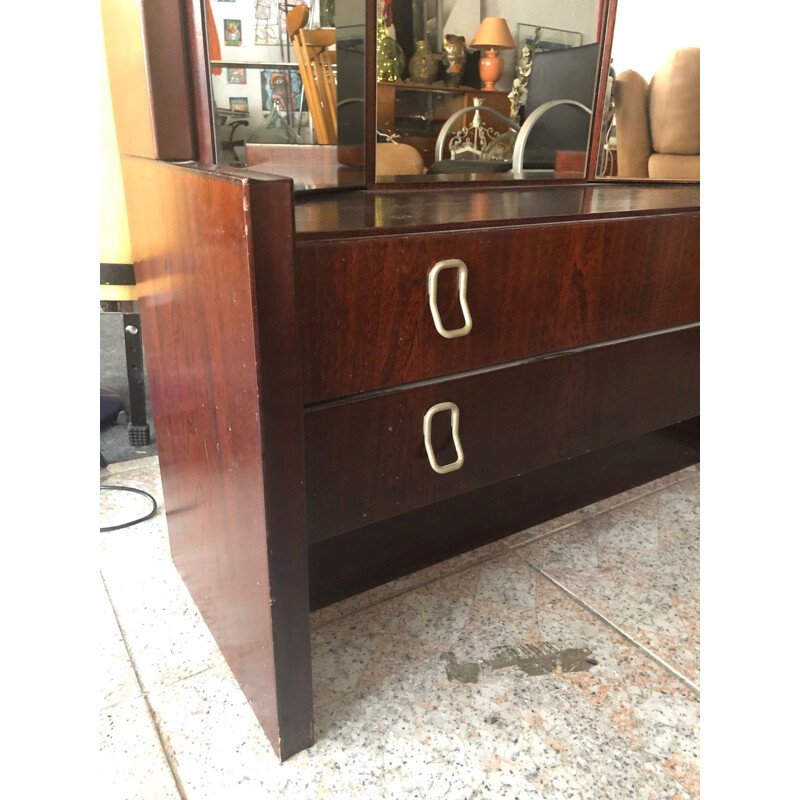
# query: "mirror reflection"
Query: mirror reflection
{"points": [[651, 125], [287, 82], [499, 89]]}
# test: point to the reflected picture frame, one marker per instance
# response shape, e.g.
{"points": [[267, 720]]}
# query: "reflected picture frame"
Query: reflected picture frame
{"points": [[551, 39]]}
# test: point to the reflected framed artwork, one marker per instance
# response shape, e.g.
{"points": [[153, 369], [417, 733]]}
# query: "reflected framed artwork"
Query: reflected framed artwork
{"points": [[550, 39]]}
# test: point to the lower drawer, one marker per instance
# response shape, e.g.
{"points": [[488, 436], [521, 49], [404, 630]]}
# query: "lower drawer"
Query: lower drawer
{"points": [[368, 459]]}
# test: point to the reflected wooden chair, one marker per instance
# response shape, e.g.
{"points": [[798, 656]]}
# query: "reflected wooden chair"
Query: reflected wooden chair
{"points": [[316, 62]]}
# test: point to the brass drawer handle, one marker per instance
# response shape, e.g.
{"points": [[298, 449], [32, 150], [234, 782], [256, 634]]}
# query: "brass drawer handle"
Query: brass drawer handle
{"points": [[433, 282], [426, 433]]}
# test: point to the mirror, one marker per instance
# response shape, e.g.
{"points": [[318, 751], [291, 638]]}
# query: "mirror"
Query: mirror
{"points": [[446, 110], [651, 117], [287, 85]]}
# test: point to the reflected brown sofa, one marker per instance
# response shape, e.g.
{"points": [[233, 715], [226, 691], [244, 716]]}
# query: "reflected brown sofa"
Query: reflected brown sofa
{"points": [[658, 124]]}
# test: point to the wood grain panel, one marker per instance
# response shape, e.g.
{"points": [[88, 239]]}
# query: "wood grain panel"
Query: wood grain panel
{"points": [[366, 459], [199, 81], [283, 464], [147, 70], [366, 322], [235, 518], [430, 208]]}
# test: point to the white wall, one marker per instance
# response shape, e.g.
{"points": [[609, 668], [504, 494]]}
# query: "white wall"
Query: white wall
{"points": [[115, 240], [645, 33], [569, 15]]}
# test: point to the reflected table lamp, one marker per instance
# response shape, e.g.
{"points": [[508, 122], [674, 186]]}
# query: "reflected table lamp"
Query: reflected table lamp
{"points": [[493, 35]]}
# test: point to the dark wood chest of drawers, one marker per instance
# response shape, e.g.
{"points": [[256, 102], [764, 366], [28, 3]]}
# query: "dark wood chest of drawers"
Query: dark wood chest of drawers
{"points": [[348, 388]]}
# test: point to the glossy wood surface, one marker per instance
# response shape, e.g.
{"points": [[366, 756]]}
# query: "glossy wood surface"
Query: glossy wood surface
{"points": [[374, 554], [215, 307], [366, 323], [147, 72], [258, 153], [309, 175], [199, 81], [283, 459], [570, 163], [359, 213], [366, 458]]}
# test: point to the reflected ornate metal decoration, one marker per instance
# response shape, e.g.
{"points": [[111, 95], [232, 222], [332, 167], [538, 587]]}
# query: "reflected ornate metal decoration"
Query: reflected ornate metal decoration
{"points": [[475, 137]]}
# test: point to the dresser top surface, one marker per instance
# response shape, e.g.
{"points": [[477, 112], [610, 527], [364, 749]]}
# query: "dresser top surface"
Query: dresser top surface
{"points": [[382, 212]]}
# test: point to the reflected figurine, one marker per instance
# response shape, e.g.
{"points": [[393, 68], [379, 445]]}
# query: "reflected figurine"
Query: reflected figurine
{"points": [[454, 56]]}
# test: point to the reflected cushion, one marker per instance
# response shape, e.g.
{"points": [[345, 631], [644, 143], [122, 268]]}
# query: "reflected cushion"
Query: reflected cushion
{"points": [[397, 159], [664, 166], [675, 104], [633, 130]]}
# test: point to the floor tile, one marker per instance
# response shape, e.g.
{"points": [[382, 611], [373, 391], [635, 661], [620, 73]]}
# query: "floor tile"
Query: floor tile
{"points": [[144, 473], [476, 679], [134, 465], [392, 723], [132, 762], [637, 564], [117, 678], [166, 634]]}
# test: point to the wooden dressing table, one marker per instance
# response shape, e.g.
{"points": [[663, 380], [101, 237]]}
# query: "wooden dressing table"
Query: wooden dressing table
{"points": [[324, 426]]}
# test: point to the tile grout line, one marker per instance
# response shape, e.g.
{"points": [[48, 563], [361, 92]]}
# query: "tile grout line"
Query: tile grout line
{"points": [[666, 665], [173, 767], [146, 694]]}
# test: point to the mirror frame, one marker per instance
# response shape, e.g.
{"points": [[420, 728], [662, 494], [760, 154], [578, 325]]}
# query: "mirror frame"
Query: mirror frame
{"points": [[197, 68], [596, 135], [370, 121]]}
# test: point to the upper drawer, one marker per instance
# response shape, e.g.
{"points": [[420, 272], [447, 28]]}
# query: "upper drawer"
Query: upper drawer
{"points": [[366, 323]]}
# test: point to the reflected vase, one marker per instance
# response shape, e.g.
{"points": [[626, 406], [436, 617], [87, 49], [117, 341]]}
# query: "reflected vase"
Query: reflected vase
{"points": [[423, 66]]}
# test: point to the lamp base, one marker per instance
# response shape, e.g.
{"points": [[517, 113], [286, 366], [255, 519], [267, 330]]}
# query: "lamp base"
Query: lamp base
{"points": [[490, 69]]}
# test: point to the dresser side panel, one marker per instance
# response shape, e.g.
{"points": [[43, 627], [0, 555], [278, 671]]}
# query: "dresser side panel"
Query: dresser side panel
{"points": [[194, 271]]}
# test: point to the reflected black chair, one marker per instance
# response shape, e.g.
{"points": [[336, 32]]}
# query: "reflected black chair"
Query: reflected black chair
{"points": [[560, 97]]}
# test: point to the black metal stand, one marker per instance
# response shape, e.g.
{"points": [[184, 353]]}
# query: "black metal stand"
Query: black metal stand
{"points": [[138, 429]]}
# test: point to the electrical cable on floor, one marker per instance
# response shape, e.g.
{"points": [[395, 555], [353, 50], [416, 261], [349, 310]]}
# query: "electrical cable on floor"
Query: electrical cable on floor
{"points": [[136, 521]]}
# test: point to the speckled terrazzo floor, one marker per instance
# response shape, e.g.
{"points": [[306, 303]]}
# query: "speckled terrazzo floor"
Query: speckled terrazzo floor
{"points": [[423, 686]]}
